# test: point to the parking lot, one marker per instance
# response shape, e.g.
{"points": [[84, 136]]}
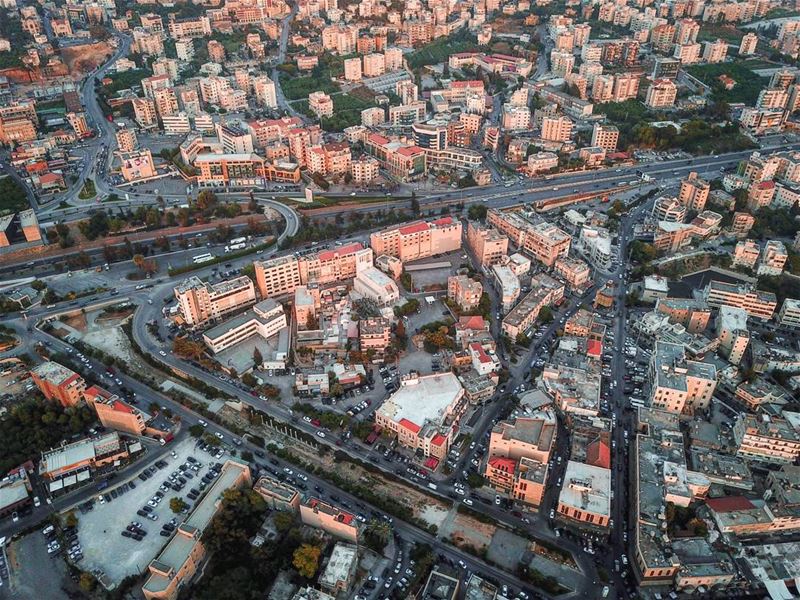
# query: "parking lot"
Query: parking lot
{"points": [[100, 529]]}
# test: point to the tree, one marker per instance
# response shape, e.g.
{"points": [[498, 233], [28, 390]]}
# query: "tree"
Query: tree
{"points": [[87, 582], [414, 204], [186, 348], [546, 315], [306, 560], [177, 505], [377, 534], [71, 520], [138, 261], [257, 358], [283, 521], [477, 212], [197, 430]]}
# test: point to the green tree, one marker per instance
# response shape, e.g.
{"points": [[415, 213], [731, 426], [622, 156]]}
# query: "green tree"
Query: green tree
{"points": [[377, 535], [197, 430], [306, 560], [545, 315], [257, 358], [477, 212], [87, 583], [414, 204], [71, 519], [177, 505], [283, 520]]}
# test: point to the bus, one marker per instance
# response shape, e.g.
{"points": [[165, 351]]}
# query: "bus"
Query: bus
{"points": [[202, 258]]}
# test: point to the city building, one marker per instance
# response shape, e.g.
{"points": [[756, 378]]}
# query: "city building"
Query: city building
{"points": [[374, 284], [756, 303], [766, 439], [137, 165], [200, 302], [679, 385], [772, 259], [418, 240], [661, 94], [179, 560], [57, 382], [265, 319], [331, 519], [605, 137], [277, 276], [424, 412], [507, 284], [544, 291], [732, 333], [694, 192], [73, 463], [585, 497], [337, 264], [486, 243], [277, 494], [465, 292], [340, 572]]}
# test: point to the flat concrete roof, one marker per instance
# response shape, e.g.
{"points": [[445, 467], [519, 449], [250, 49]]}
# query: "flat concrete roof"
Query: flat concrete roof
{"points": [[423, 399]]}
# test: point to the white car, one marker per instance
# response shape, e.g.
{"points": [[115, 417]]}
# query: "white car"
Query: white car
{"points": [[162, 353], [321, 434], [219, 435]]}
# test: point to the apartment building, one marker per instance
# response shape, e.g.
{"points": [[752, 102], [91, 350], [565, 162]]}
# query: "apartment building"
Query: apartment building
{"points": [[661, 94], [376, 285], [605, 137], [732, 333], [330, 519], [766, 438], [789, 315], [585, 497], [424, 412], [694, 192], [277, 494], [544, 291], [715, 52], [507, 284], [200, 302], [320, 104], [772, 259], [242, 170], [265, 319], [694, 315], [486, 243], [465, 292], [57, 382], [277, 276], [575, 272], [418, 240], [556, 129], [760, 195], [374, 334], [756, 303], [745, 254], [337, 264], [177, 563], [516, 118], [679, 385], [547, 243], [114, 413]]}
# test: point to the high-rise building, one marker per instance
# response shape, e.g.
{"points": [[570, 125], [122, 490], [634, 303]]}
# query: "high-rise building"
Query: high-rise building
{"points": [[200, 302]]}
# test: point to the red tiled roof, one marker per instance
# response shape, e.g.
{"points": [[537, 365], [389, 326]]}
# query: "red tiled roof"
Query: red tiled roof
{"points": [[410, 425], [438, 440], [598, 454], [120, 406], [478, 349], [410, 151], [766, 185], [729, 504], [475, 322], [338, 252], [414, 228], [501, 463], [472, 83], [444, 221], [594, 348], [431, 462]]}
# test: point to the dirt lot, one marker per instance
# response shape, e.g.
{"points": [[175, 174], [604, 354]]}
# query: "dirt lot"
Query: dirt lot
{"points": [[82, 59], [466, 531]]}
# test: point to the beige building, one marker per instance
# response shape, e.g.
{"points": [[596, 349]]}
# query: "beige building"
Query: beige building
{"points": [[57, 382], [424, 413], [747, 46], [574, 271], [126, 139], [486, 243], [544, 291], [679, 385], [556, 129], [715, 52], [331, 519], [772, 259], [766, 438], [585, 497], [265, 319], [745, 254], [179, 560], [200, 302], [320, 104], [465, 292], [352, 69], [755, 302], [364, 170], [137, 165], [277, 276], [418, 240], [694, 192], [277, 494], [337, 264], [661, 94], [605, 137], [516, 118]]}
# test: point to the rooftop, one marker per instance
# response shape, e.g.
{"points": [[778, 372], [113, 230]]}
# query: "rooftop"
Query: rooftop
{"points": [[587, 488], [422, 399], [340, 565], [55, 373]]}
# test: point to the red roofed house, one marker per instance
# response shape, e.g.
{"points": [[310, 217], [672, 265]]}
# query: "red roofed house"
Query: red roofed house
{"points": [[57, 382], [760, 195], [598, 454], [419, 240]]}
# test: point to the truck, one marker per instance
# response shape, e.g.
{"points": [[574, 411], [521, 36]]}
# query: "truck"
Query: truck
{"points": [[102, 484], [433, 486], [233, 247]]}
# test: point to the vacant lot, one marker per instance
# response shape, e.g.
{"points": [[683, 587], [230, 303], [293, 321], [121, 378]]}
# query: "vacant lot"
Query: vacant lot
{"points": [[82, 59]]}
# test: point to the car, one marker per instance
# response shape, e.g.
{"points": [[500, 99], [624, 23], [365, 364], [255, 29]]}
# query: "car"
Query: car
{"points": [[497, 499], [321, 434], [162, 353], [552, 513], [468, 501]]}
